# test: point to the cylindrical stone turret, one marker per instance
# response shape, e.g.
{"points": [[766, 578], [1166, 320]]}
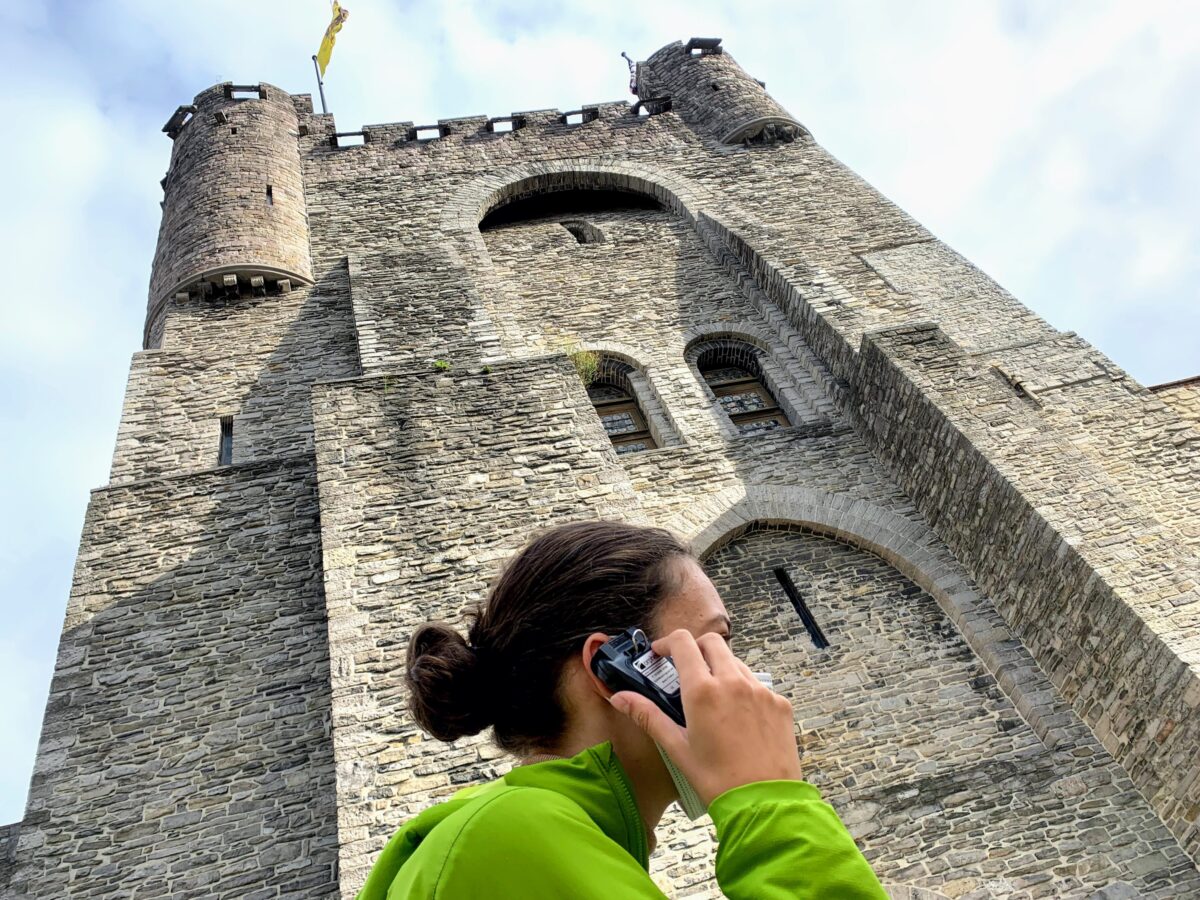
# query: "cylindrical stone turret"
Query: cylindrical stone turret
{"points": [[234, 216], [714, 95]]}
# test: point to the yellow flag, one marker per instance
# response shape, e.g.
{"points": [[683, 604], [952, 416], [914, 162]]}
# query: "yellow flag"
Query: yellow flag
{"points": [[339, 19]]}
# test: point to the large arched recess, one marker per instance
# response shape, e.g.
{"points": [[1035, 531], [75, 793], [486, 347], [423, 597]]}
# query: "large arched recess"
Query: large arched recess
{"points": [[709, 522], [902, 729], [717, 219], [477, 199], [731, 233], [468, 207], [727, 231]]}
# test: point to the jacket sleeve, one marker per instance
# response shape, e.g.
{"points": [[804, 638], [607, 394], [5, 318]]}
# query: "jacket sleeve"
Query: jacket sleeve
{"points": [[778, 839], [537, 845]]}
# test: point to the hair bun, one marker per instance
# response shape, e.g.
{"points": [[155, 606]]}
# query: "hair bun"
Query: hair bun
{"points": [[447, 694]]}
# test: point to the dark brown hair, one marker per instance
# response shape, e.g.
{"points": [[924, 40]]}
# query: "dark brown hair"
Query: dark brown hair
{"points": [[566, 584]]}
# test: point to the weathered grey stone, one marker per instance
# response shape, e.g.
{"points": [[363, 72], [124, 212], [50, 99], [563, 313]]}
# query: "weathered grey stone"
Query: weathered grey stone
{"points": [[995, 526]]}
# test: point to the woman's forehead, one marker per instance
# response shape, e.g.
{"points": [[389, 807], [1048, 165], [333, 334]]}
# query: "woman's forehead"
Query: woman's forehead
{"points": [[695, 604]]}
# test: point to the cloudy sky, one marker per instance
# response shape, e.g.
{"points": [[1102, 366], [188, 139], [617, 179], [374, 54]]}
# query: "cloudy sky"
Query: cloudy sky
{"points": [[1055, 144]]}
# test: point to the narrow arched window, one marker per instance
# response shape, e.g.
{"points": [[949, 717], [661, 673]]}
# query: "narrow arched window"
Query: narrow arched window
{"points": [[732, 371], [618, 409], [584, 232]]}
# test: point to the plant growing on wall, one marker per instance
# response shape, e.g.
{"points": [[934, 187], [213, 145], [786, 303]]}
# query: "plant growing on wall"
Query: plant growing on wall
{"points": [[587, 364], [441, 365]]}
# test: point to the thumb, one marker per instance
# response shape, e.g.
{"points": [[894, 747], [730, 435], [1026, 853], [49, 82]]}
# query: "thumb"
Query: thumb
{"points": [[649, 718]]}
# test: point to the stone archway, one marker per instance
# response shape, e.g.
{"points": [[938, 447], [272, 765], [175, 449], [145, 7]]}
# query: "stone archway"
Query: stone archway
{"points": [[466, 210], [903, 730], [904, 542], [499, 336]]}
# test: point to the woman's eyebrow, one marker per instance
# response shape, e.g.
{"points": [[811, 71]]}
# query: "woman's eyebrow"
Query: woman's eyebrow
{"points": [[722, 619]]}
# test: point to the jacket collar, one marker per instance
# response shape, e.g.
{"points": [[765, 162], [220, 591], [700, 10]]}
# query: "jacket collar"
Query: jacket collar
{"points": [[596, 781]]}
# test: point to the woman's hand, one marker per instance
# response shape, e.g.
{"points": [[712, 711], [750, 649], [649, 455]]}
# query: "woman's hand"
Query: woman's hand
{"points": [[738, 730]]}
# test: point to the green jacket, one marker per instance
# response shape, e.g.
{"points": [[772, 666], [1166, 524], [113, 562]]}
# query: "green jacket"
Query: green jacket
{"points": [[570, 828]]}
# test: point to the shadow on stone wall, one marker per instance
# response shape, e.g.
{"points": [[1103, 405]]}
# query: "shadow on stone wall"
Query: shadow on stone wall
{"points": [[186, 740]]}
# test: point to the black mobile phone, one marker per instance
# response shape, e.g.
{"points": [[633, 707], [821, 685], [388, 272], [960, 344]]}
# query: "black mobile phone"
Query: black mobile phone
{"points": [[626, 663]]}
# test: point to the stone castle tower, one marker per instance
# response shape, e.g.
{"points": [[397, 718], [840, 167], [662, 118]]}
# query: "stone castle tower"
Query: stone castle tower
{"points": [[965, 544]]}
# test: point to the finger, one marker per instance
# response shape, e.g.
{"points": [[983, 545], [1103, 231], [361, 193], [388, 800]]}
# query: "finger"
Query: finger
{"points": [[746, 671], [649, 718], [688, 660], [718, 656]]}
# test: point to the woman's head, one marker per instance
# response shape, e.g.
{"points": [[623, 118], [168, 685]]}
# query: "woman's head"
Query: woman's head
{"points": [[567, 584]]}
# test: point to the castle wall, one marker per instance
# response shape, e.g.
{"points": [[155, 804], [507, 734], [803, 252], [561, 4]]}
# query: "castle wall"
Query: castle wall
{"points": [[1146, 448], [646, 289], [1150, 450], [1101, 593], [429, 480], [910, 737], [932, 283], [252, 358], [8, 851], [1183, 398], [1101, 526], [1017, 518], [184, 749], [422, 524]]}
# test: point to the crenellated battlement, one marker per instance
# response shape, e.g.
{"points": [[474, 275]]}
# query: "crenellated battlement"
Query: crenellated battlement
{"points": [[478, 127], [712, 95]]}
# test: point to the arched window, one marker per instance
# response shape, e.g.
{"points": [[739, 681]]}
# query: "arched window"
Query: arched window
{"points": [[733, 372], [584, 232], [616, 405], [565, 205]]}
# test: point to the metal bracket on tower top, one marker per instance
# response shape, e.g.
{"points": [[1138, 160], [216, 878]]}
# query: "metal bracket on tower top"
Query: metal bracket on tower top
{"points": [[704, 45], [632, 72]]}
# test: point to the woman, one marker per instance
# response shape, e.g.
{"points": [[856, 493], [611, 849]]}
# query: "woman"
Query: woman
{"points": [[576, 818]]}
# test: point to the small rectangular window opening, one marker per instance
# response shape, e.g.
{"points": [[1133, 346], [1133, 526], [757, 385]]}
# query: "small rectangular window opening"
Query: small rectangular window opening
{"points": [[502, 126], [652, 106], [802, 610], [243, 92], [270, 196], [427, 132], [573, 118], [348, 139], [225, 450], [699, 46]]}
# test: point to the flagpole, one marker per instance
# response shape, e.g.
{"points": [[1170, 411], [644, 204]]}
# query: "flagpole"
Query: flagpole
{"points": [[320, 84]]}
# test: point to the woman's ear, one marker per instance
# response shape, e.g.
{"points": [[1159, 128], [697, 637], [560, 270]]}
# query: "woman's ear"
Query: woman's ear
{"points": [[590, 646]]}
